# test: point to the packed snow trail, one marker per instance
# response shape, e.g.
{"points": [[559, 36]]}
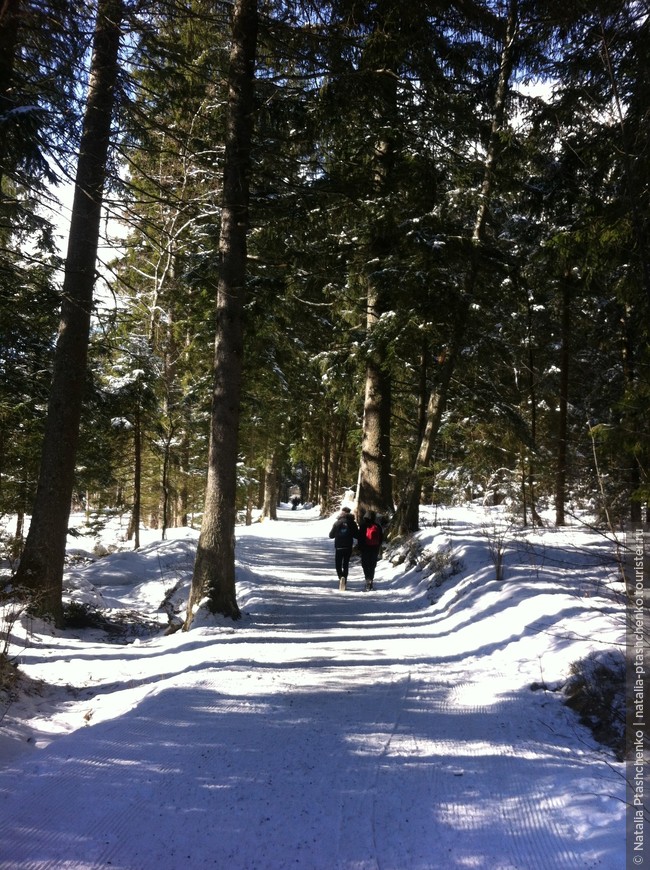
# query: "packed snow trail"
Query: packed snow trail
{"points": [[325, 731]]}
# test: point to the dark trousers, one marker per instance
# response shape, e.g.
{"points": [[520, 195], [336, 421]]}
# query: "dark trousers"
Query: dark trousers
{"points": [[369, 557], [342, 561]]}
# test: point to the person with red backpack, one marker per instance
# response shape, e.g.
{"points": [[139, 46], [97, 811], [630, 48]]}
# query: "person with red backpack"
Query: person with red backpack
{"points": [[371, 536]]}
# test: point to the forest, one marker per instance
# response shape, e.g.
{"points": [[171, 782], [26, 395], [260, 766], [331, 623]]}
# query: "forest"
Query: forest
{"points": [[312, 246]]}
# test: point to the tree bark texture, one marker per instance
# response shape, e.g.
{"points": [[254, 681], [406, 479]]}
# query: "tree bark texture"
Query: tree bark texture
{"points": [[375, 491], [407, 516], [270, 506], [214, 568], [42, 562], [375, 482]]}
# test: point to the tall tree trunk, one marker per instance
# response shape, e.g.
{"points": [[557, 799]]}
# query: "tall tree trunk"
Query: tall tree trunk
{"points": [[375, 483], [529, 462], [41, 565], [133, 532], [407, 515], [270, 507], [137, 476], [339, 461], [563, 420], [214, 568], [183, 500], [423, 390], [324, 486], [171, 355], [375, 490], [167, 504], [182, 506]]}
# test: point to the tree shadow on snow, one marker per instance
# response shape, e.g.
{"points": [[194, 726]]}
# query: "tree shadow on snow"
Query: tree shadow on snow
{"points": [[393, 772]]}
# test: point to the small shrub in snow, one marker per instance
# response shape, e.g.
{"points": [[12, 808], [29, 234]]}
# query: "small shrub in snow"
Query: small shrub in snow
{"points": [[79, 615], [10, 547], [436, 558], [12, 607], [442, 565], [404, 551], [596, 691], [78, 558], [117, 625], [498, 533]]}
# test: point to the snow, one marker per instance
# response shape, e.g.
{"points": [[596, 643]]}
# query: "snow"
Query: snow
{"points": [[394, 730]]}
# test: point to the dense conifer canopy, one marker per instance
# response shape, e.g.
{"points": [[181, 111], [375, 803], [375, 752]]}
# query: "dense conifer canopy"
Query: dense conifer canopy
{"points": [[401, 214]]}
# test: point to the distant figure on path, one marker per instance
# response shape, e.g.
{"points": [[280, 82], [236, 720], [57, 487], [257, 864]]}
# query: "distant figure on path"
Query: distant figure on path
{"points": [[371, 536], [343, 531]]}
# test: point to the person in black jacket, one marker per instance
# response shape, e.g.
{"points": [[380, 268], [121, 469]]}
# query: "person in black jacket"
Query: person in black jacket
{"points": [[371, 536], [343, 532]]}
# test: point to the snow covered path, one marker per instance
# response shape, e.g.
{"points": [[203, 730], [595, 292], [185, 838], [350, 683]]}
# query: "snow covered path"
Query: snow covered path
{"points": [[325, 731]]}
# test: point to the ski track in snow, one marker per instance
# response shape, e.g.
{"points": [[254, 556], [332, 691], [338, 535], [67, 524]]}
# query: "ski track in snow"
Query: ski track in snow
{"points": [[327, 731]]}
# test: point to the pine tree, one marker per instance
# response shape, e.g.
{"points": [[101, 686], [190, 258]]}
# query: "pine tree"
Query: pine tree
{"points": [[406, 518], [40, 51], [41, 564], [214, 569], [602, 141]]}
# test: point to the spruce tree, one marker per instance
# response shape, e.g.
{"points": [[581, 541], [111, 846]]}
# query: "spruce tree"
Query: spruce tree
{"points": [[41, 564], [214, 568]]}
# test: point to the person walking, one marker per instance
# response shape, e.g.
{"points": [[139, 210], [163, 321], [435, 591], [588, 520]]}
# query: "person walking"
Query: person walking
{"points": [[371, 536], [343, 532]]}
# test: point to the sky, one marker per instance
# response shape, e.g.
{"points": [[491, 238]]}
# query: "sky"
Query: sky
{"points": [[112, 233], [419, 725]]}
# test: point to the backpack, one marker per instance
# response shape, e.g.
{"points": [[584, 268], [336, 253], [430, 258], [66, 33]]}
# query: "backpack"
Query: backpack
{"points": [[373, 535], [343, 536]]}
